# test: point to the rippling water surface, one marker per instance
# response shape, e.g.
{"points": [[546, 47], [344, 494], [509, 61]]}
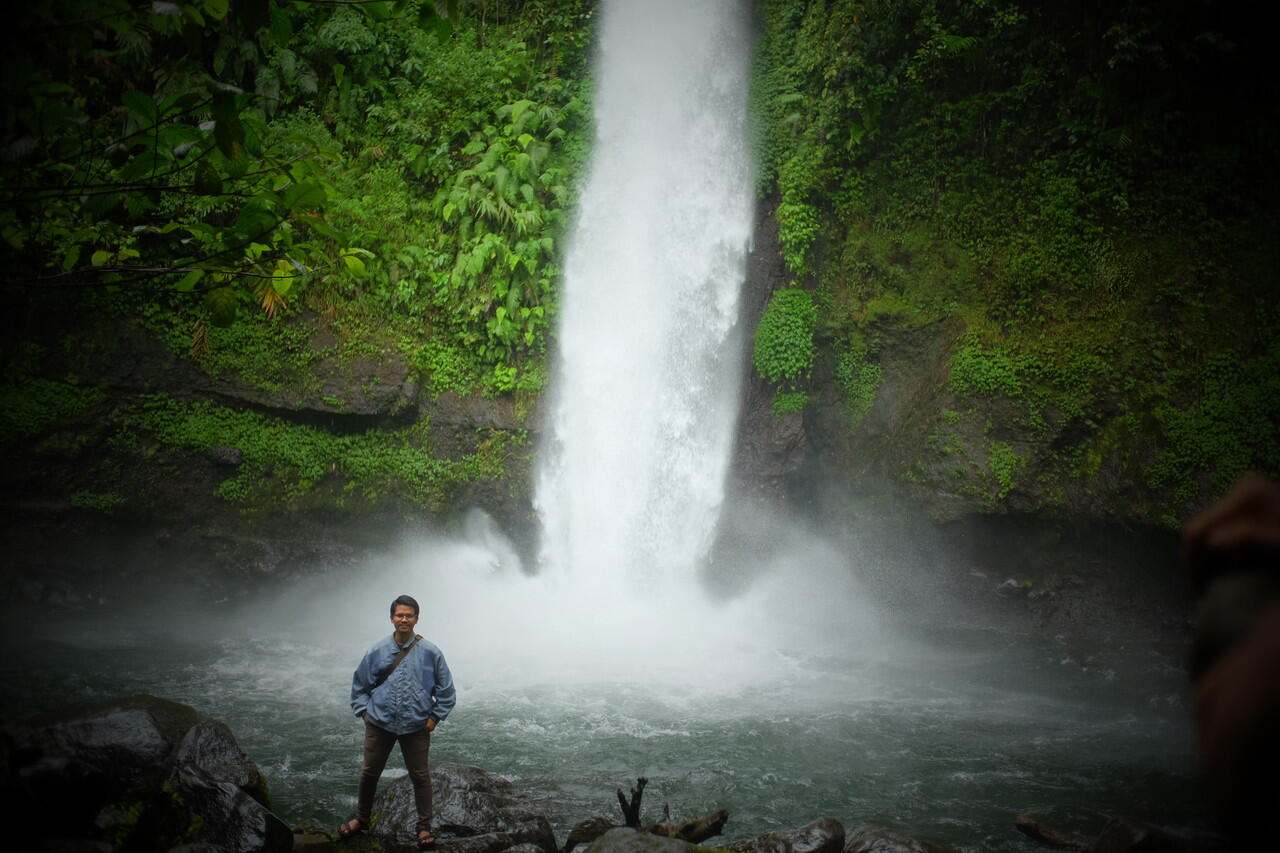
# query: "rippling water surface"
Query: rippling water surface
{"points": [[949, 734]]}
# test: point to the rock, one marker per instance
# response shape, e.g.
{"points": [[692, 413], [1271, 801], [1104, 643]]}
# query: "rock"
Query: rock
{"points": [[1127, 835], [588, 830], [625, 840], [870, 838], [210, 746], [124, 741], [225, 454], [230, 817], [824, 835], [142, 773], [471, 806], [312, 842]]}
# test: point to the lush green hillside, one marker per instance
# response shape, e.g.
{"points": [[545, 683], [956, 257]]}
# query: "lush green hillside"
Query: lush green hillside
{"points": [[1077, 198], [1032, 246], [308, 206]]}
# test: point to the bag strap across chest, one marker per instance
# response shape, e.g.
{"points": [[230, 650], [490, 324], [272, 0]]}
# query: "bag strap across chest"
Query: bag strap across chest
{"points": [[404, 653]]}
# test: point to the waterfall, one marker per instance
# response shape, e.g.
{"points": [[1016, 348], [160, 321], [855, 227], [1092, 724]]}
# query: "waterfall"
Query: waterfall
{"points": [[645, 390]]}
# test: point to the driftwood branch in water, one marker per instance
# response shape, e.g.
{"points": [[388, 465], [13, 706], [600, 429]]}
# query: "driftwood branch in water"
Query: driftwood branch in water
{"points": [[631, 810], [695, 830], [1046, 836]]}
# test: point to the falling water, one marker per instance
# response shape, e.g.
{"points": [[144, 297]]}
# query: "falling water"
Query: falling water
{"points": [[646, 391]]}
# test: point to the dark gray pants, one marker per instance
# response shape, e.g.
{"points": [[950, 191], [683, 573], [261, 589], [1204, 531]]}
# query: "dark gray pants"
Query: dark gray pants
{"points": [[377, 747]]}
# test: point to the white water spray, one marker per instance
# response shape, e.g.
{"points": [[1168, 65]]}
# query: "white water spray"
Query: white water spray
{"points": [[646, 398], [638, 445]]}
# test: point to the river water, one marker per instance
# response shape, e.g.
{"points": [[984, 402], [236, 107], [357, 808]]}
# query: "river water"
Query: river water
{"points": [[820, 707]]}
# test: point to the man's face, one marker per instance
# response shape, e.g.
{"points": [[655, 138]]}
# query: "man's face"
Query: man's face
{"points": [[403, 618]]}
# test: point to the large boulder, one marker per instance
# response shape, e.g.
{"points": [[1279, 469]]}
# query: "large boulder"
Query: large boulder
{"points": [[140, 772], [625, 840], [475, 812], [230, 817], [825, 835], [1129, 835], [870, 838]]}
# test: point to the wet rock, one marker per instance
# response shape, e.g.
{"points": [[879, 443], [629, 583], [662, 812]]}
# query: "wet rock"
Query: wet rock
{"points": [[471, 806], [825, 835], [312, 842], [624, 840], [210, 746], [229, 817], [137, 773], [588, 830], [870, 838], [1127, 835]]}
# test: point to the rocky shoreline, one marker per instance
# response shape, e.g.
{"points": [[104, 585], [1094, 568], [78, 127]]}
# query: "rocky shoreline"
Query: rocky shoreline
{"points": [[146, 774]]}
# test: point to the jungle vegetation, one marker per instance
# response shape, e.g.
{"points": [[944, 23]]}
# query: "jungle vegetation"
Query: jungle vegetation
{"points": [[1078, 195]]}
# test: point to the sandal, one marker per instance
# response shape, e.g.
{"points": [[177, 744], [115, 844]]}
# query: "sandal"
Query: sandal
{"points": [[355, 826], [426, 840]]}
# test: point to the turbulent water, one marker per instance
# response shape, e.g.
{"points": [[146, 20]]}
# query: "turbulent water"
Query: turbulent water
{"points": [[646, 380], [948, 733]]}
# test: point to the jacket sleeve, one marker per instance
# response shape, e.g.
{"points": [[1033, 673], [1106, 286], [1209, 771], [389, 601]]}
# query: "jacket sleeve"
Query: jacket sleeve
{"points": [[362, 684], [444, 694]]}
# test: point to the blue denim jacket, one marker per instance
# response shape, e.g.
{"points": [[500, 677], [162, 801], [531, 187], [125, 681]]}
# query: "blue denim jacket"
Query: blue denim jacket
{"points": [[421, 687]]}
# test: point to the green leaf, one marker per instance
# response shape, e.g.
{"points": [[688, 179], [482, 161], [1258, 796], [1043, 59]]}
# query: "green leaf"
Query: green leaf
{"points": [[173, 134], [141, 105], [188, 281], [227, 130], [255, 220], [221, 305], [324, 228], [100, 257], [307, 196], [282, 277], [217, 9], [141, 166], [354, 265], [380, 11], [281, 25], [207, 180]]}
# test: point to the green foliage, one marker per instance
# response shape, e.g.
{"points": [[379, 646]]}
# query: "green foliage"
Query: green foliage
{"points": [[464, 148], [857, 377], [33, 406], [1225, 429], [445, 367], [784, 349], [977, 370], [797, 230], [104, 502], [789, 402], [374, 162], [1004, 464], [291, 463], [139, 158], [1082, 188], [265, 351]]}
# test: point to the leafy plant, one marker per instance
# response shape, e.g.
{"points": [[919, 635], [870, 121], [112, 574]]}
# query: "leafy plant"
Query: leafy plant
{"points": [[784, 349]]}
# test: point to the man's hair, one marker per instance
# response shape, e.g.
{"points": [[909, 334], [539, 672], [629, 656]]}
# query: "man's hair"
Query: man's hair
{"points": [[404, 601]]}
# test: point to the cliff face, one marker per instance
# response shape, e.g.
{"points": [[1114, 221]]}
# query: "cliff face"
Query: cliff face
{"points": [[124, 457]]}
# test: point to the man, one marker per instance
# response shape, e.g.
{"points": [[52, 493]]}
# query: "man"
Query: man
{"points": [[402, 689]]}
